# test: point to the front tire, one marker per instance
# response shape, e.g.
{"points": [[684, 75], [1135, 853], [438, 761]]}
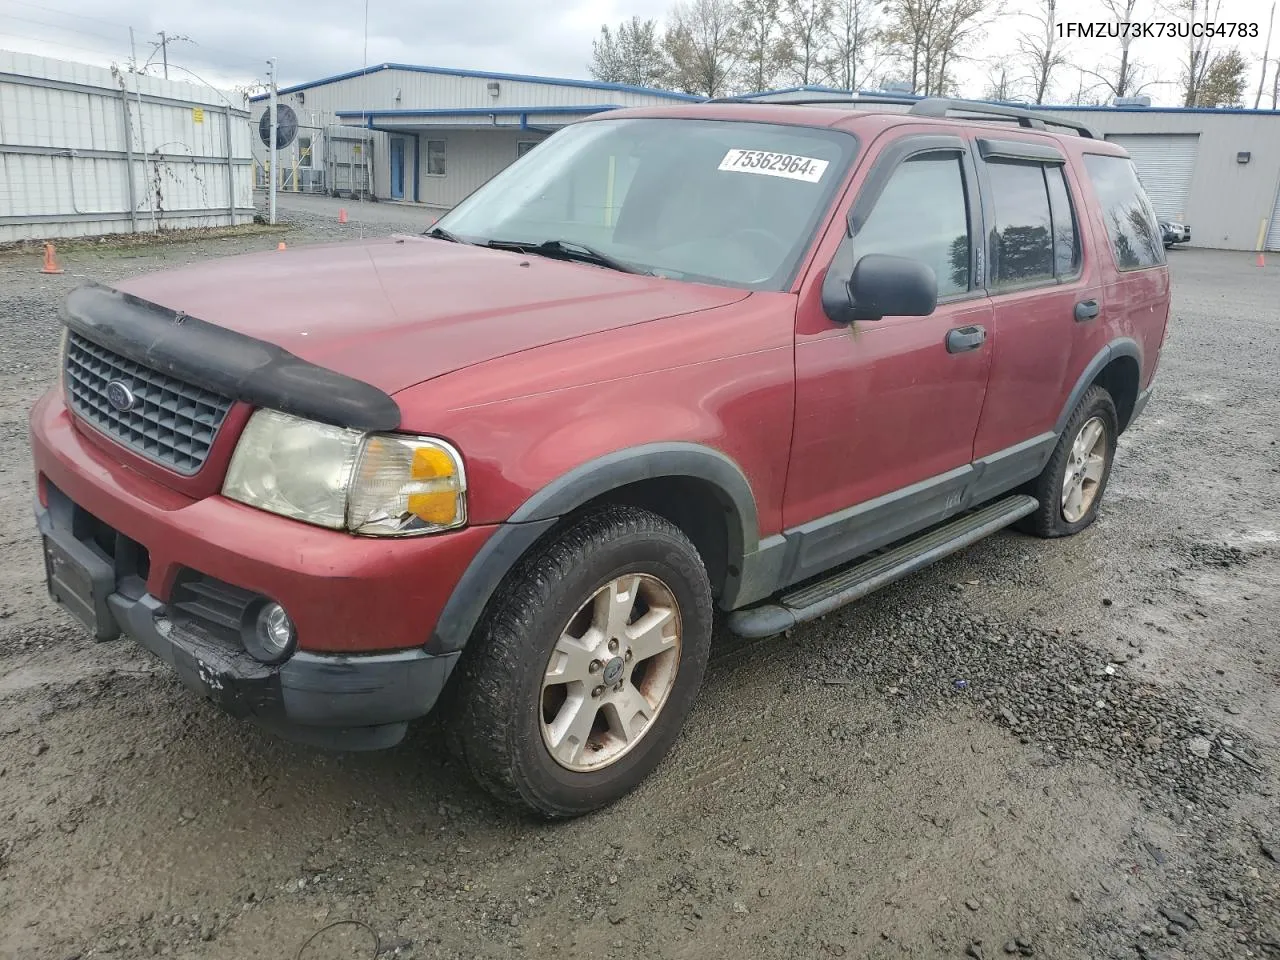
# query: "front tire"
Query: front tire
{"points": [[583, 671], [1071, 486]]}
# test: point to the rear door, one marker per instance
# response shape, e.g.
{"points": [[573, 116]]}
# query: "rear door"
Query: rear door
{"points": [[1047, 300], [1129, 242], [886, 411]]}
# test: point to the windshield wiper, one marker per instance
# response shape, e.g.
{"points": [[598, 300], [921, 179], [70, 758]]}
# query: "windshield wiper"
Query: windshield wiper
{"points": [[567, 250], [440, 233]]}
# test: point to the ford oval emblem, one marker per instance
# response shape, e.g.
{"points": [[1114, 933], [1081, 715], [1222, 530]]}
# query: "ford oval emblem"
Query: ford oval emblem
{"points": [[120, 396]]}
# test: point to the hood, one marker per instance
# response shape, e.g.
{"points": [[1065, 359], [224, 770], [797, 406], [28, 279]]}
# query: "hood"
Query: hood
{"points": [[397, 311]]}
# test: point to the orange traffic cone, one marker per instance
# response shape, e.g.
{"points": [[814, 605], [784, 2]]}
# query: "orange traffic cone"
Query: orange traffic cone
{"points": [[50, 259], [280, 245], [1262, 262], [342, 214]]}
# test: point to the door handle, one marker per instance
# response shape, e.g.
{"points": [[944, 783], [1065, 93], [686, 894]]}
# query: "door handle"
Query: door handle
{"points": [[961, 339], [1086, 310]]}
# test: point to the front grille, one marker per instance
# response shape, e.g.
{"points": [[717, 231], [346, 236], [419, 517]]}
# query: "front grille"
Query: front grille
{"points": [[171, 422]]}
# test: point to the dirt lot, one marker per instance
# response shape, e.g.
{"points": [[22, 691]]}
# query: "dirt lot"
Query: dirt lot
{"points": [[1058, 749]]}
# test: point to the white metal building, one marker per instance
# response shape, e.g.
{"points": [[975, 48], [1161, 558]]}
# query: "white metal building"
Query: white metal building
{"points": [[87, 151], [428, 134]]}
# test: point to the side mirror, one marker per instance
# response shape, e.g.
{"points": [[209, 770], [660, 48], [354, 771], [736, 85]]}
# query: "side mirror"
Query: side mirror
{"points": [[881, 286]]}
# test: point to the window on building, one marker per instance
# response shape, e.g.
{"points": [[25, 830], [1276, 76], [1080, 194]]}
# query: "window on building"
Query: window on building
{"points": [[436, 165], [923, 214], [1131, 222], [1022, 239], [304, 151], [524, 146]]}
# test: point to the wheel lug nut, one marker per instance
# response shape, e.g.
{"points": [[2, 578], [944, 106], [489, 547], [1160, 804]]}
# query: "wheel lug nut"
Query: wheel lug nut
{"points": [[613, 646], [629, 654], [597, 692], [596, 666], [617, 688]]}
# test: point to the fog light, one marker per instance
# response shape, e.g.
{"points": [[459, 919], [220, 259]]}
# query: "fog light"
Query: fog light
{"points": [[273, 634]]}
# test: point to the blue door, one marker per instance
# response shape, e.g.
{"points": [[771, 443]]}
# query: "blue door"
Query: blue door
{"points": [[397, 169]]}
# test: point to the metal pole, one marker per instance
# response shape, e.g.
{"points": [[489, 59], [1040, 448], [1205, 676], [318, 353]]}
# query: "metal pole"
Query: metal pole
{"points": [[164, 52], [130, 189], [231, 170], [142, 133], [271, 189]]}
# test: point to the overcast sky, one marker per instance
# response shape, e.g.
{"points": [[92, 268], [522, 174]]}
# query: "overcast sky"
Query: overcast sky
{"points": [[550, 37]]}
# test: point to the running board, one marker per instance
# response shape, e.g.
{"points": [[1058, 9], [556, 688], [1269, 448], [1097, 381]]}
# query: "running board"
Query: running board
{"points": [[854, 583]]}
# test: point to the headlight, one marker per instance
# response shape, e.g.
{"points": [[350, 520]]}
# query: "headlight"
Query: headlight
{"points": [[376, 484]]}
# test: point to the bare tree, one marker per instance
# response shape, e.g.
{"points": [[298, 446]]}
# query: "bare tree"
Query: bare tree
{"points": [[1040, 49], [853, 36], [1000, 82], [806, 29], [1086, 95], [1123, 78], [631, 55], [761, 47], [1266, 53], [930, 35], [1195, 69], [701, 46]]}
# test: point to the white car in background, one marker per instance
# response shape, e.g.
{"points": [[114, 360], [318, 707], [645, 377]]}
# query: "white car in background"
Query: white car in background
{"points": [[1174, 232]]}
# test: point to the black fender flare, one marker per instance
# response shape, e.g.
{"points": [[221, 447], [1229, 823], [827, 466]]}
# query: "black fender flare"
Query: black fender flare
{"points": [[1119, 347], [581, 485]]}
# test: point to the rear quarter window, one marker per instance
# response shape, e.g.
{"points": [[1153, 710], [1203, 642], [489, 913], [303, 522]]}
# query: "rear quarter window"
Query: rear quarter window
{"points": [[1131, 221]]}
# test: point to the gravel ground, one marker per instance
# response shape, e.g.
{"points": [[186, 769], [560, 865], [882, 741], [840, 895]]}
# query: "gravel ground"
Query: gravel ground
{"points": [[1051, 749]]}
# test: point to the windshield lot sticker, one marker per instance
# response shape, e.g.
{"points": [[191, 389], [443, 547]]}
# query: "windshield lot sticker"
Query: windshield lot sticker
{"points": [[808, 169]]}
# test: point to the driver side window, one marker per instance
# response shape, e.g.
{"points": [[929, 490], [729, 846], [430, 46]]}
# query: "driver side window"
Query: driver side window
{"points": [[923, 214]]}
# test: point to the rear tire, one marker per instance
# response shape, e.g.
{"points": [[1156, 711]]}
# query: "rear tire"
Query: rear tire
{"points": [[1071, 486], [584, 669]]}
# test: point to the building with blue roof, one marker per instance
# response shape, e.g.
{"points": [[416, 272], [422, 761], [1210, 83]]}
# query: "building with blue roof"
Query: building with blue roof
{"points": [[428, 134]]}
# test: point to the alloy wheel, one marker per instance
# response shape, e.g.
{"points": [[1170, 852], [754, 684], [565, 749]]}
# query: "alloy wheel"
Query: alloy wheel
{"points": [[1084, 470], [610, 673]]}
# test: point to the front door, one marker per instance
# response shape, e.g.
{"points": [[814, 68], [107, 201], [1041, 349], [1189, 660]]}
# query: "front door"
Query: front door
{"points": [[397, 168], [1047, 299], [886, 411]]}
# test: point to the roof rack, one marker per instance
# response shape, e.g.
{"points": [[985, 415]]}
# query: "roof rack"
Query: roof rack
{"points": [[807, 100], [940, 107]]}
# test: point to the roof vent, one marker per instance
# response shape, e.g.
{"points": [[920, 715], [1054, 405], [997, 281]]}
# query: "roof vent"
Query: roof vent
{"points": [[1143, 101]]}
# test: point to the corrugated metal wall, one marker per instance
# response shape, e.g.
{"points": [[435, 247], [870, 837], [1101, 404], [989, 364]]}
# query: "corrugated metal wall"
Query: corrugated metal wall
{"points": [[87, 151], [1273, 232]]}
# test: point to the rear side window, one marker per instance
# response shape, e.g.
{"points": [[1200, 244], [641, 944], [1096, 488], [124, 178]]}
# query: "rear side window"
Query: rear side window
{"points": [[923, 214], [1022, 241], [1131, 222], [1034, 237]]}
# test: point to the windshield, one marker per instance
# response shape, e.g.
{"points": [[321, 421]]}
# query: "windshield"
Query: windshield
{"points": [[713, 201]]}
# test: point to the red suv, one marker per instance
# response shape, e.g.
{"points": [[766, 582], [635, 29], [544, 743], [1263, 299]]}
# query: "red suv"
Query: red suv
{"points": [[756, 357]]}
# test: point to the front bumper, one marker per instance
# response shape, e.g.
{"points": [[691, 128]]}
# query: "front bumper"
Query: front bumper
{"points": [[335, 701], [346, 594]]}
